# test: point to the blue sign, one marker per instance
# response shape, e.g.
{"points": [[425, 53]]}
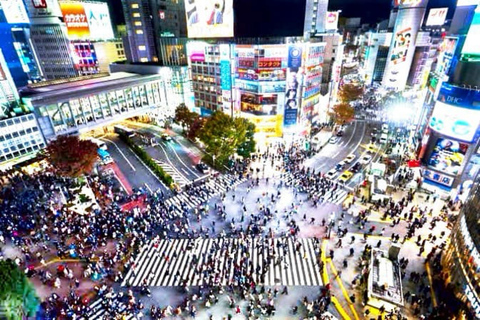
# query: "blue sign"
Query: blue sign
{"points": [[290, 117], [225, 75], [205, 112], [458, 96], [294, 57]]}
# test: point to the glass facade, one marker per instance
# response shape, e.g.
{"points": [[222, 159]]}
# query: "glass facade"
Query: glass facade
{"points": [[86, 111], [19, 136], [461, 261]]}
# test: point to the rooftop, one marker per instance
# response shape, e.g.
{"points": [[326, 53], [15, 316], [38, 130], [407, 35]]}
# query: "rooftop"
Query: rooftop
{"points": [[58, 92]]}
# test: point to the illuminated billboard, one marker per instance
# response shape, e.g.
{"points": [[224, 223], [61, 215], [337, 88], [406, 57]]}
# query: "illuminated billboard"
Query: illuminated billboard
{"points": [[454, 122], [87, 20], [14, 11], [448, 156], [331, 21], [39, 4], [294, 85], [209, 18], [471, 42], [402, 49], [436, 16]]}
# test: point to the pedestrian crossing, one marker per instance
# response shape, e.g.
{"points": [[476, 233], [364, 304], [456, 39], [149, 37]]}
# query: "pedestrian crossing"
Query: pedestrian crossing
{"points": [[215, 261], [203, 193], [98, 309], [337, 196], [179, 179]]}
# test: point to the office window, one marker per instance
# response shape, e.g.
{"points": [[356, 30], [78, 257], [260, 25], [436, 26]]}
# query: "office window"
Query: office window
{"points": [[139, 31], [142, 48], [134, 5], [136, 15], [138, 23]]}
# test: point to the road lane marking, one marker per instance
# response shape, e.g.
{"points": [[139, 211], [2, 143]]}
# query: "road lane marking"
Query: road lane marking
{"points": [[121, 152]]}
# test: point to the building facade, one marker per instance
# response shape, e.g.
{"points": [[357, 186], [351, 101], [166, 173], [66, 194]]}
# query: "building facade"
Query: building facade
{"points": [[461, 260], [108, 52], [50, 40], [8, 91], [76, 106], [20, 136], [140, 32]]}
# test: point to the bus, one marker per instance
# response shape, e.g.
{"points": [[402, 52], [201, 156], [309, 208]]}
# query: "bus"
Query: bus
{"points": [[119, 129], [100, 144], [104, 156]]}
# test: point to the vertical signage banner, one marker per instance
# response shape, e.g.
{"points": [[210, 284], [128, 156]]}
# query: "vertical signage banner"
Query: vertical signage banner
{"points": [[99, 22], [75, 19], [331, 22], [294, 79]]}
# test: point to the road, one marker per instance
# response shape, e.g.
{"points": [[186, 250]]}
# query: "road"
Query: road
{"points": [[134, 170]]}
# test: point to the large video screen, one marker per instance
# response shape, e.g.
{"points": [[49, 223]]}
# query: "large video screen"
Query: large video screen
{"points": [[455, 122], [448, 156], [471, 42], [209, 18]]}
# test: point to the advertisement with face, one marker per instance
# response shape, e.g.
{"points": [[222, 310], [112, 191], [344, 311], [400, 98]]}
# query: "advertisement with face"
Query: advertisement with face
{"points": [[457, 123], [209, 18], [75, 19], [294, 81], [400, 45], [448, 156]]}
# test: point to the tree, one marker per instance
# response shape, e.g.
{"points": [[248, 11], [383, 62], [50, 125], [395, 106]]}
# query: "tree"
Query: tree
{"points": [[17, 295], [70, 156], [222, 135], [342, 113], [184, 116], [195, 128], [246, 148], [349, 92]]}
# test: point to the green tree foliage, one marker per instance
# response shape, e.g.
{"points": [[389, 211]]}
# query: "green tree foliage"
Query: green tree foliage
{"points": [[342, 113], [349, 92], [184, 116], [17, 295], [222, 135], [70, 156], [246, 148]]}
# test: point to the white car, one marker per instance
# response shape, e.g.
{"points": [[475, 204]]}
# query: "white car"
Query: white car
{"points": [[333, 140], [350, 158], [366, 159], [385, 128], [383, 138], [331, 174]]}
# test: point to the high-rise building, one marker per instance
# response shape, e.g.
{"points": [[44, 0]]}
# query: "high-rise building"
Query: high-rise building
{"points": [[315, 16], [408, 19], [461, 260], [16, 45], [140, 33]]}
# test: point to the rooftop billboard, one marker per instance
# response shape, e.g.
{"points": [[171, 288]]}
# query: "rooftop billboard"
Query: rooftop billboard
{"points": [[209, 18], [87, 20]]}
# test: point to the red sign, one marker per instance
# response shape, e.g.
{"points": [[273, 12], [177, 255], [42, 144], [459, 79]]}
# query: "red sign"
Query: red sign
{"points": [[161, 14], [75, 19], [39, 4], [270, 63], [242, 63]]}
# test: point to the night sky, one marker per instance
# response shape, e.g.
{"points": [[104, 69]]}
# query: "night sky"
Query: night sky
{"points": [[285, 17]]}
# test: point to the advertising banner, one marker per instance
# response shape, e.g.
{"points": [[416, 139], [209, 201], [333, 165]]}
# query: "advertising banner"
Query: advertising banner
{"points": [[225, 75], [99, 21], [436, 16], [454, 122], [471, 42], [448, 156], [402, 50], [75, 19], [294, 84], [14, 11], [459, 96], [331, 21], [209, 18]]}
